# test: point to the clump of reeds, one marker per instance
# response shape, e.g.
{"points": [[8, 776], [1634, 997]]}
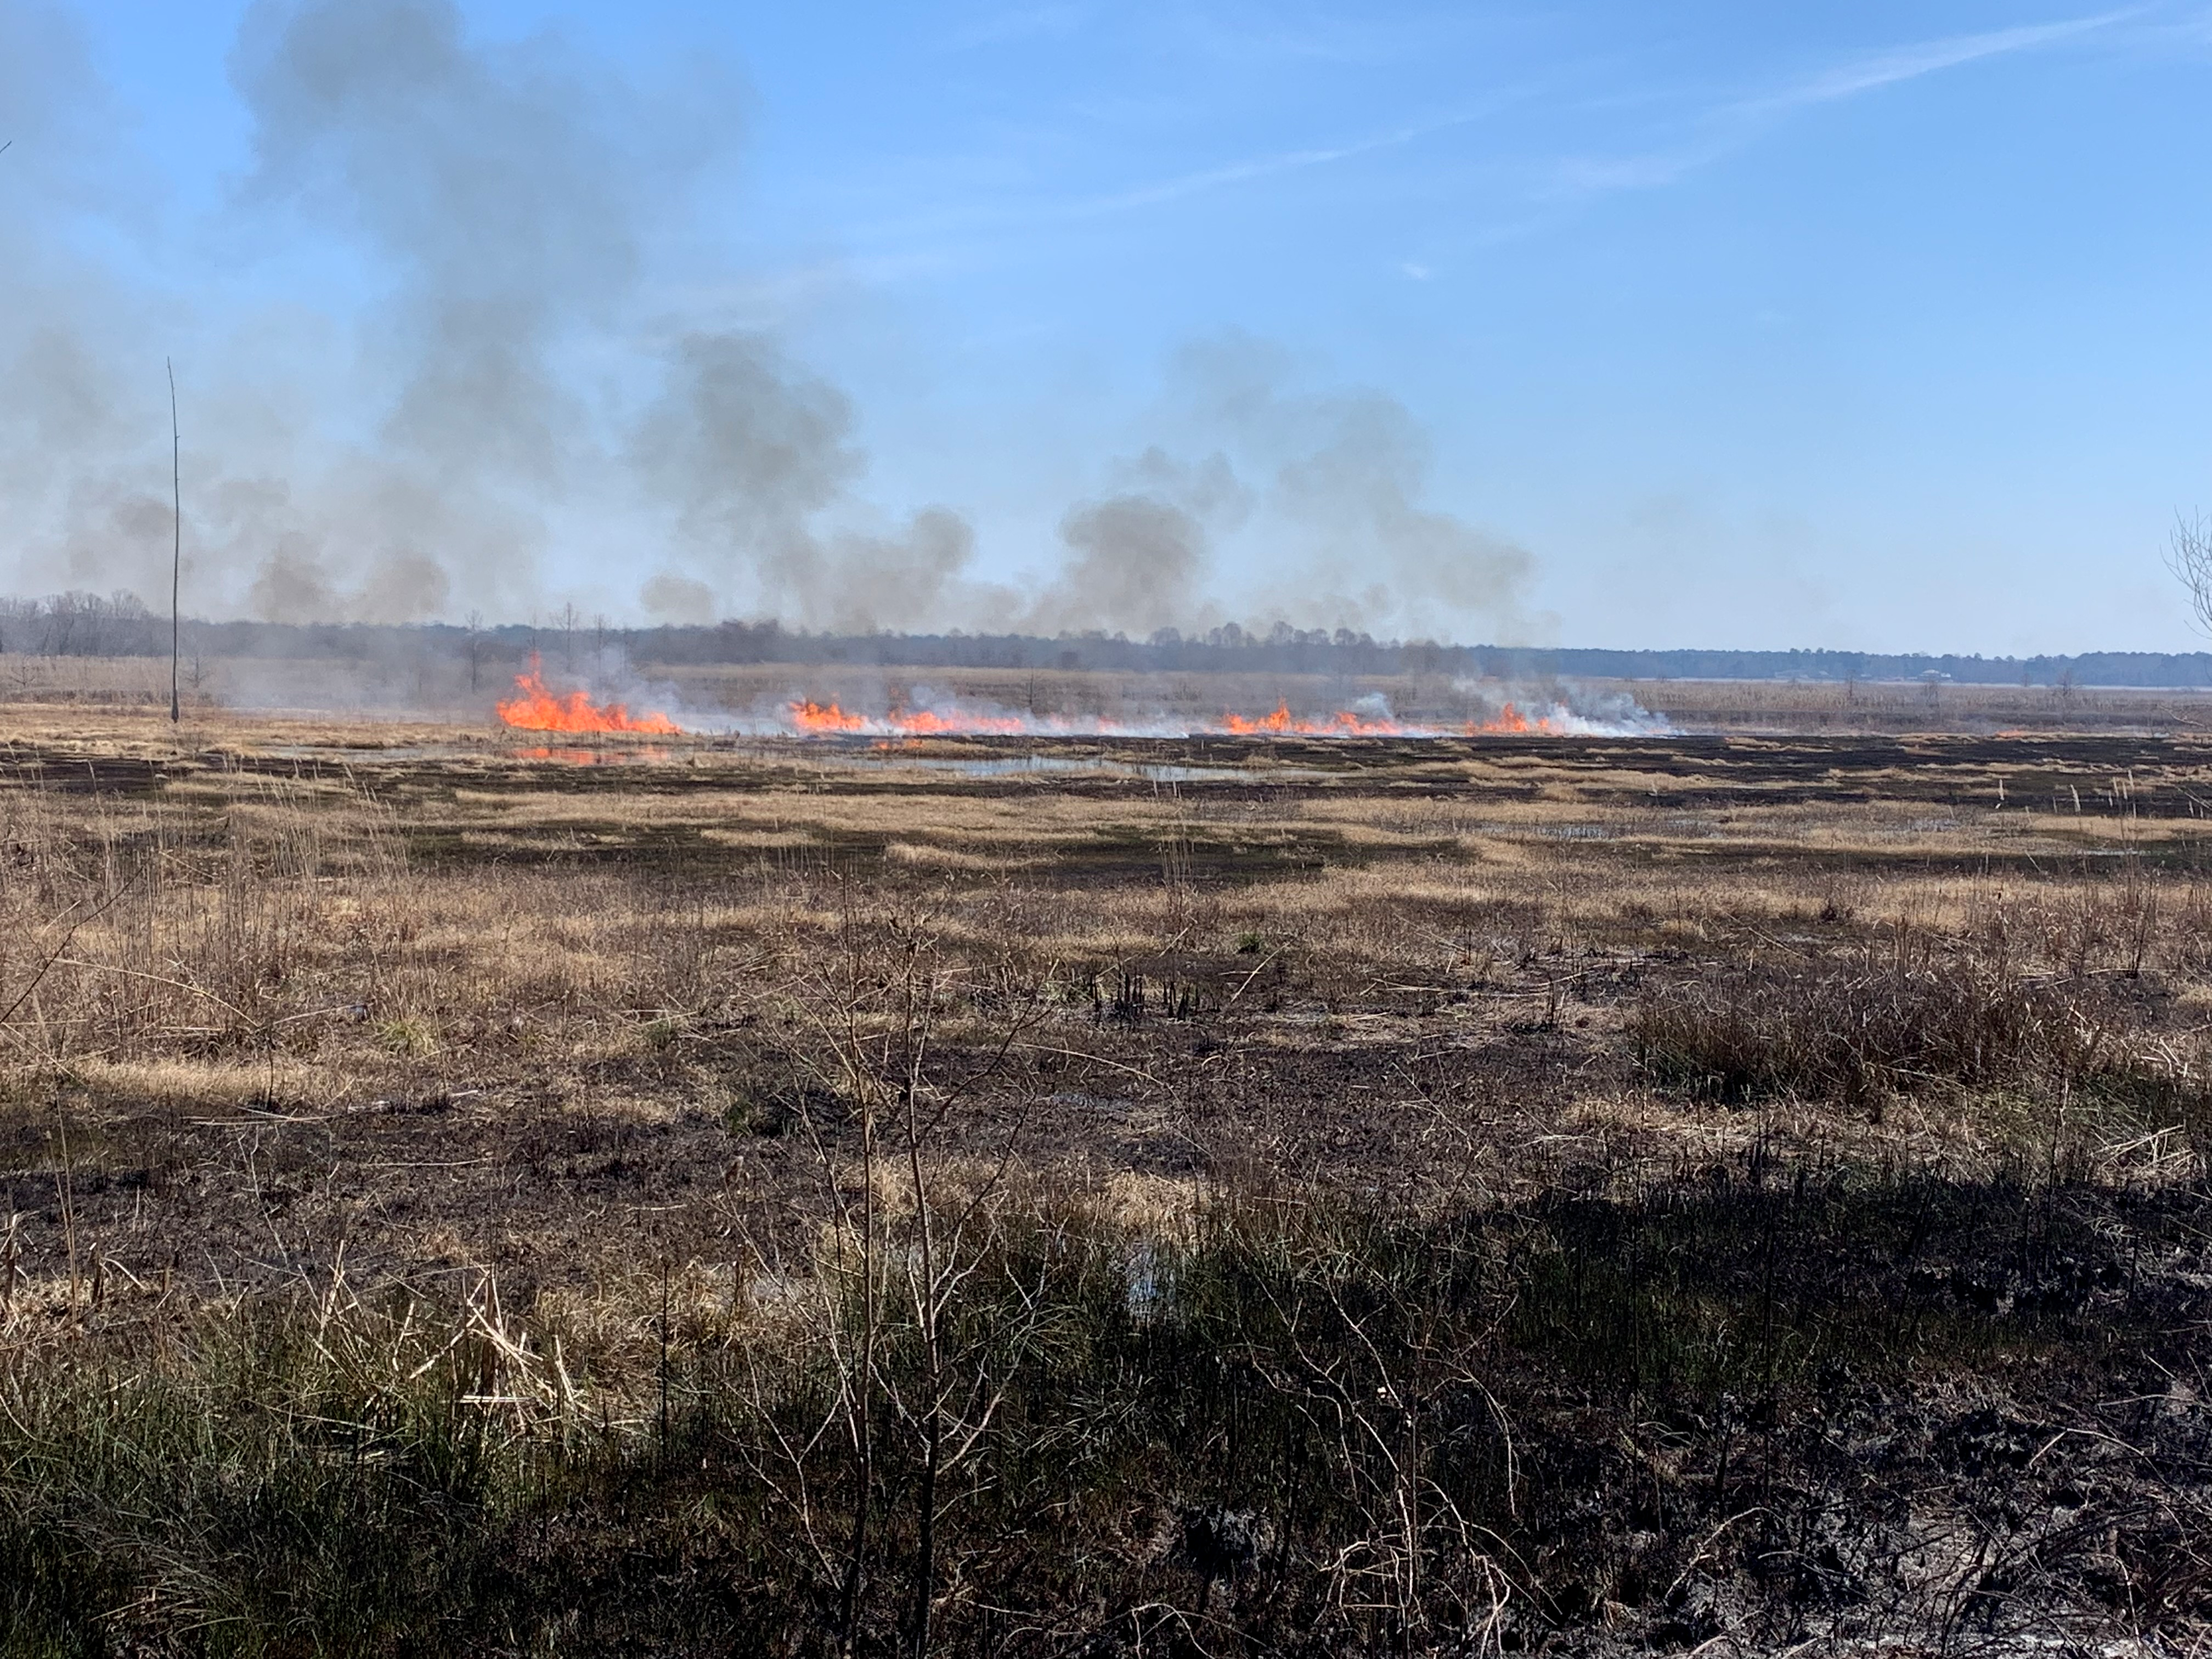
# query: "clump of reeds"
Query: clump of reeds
{"points": [[1906, 1018]]}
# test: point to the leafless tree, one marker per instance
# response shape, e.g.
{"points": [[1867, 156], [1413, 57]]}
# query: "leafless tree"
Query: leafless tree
{"points": [[2189, 556]]}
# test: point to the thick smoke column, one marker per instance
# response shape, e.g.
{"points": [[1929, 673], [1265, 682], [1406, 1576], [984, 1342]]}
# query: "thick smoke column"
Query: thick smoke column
{"points": [[1323, 493], [507, 199], [494, 390], [1339, 515], [749, 450], [1135, 564], [77, 509]]}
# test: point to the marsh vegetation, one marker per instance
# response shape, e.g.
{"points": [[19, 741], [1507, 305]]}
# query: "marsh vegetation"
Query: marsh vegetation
{"points": [[1463, 1196]]}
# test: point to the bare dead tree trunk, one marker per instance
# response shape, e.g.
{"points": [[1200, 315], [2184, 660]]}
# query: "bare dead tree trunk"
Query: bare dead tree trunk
{"points": [[176, 545]]}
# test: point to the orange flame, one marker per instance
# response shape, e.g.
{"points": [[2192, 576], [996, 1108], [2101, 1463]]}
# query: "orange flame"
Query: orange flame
{"points": [[1342, 724], [813, 719], [538, 709], [816, 719], [924, 724], [1347, 724]]}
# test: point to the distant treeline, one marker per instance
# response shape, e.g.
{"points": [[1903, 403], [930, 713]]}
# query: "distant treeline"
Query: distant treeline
{"points": [[122, 625]]}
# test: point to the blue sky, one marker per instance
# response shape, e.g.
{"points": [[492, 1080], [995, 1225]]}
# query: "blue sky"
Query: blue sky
{"points": [[1875, 327]]}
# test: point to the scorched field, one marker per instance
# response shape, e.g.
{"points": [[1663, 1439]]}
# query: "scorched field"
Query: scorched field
{"points": [[1231, 1195]]}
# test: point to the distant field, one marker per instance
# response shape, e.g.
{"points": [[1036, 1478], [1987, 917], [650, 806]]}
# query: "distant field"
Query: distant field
{"points": [[462, 1194], [442, 691]]}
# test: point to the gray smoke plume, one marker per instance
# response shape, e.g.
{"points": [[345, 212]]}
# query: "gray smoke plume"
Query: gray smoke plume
{"points": [[514, 398], [506, 202], [79, 512], [514, 199], [1335, 518], [749, 450], [1136, 565], [1341, 520], [1140, 559], [490, 207], [507, 196]]}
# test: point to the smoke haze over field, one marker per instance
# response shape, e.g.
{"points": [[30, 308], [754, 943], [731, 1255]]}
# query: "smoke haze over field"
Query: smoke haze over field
{"points": [[444, 373]]}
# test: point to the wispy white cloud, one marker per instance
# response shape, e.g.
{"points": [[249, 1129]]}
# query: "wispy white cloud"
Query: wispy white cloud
{"points": [[1265, 166], [1728, 126], [954, 228], [961, 232], [1888, 69]]}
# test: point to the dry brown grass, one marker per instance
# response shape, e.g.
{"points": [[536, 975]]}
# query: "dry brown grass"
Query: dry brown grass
{"points": [[234, 938], [583, 1055]]}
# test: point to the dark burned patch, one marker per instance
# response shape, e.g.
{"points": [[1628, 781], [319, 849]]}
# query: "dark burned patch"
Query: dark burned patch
{"points": [[58, 772], [1994, 860], [1843, 1412], [649, 848], [1784, 1286]]}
